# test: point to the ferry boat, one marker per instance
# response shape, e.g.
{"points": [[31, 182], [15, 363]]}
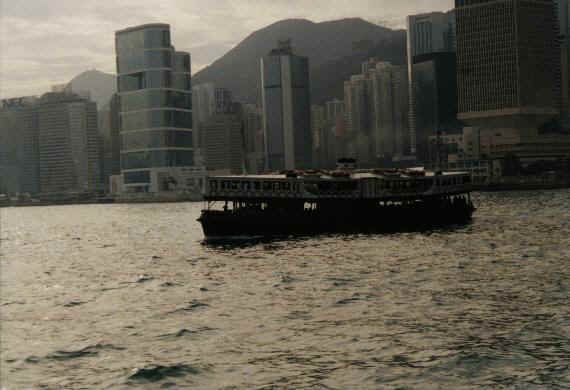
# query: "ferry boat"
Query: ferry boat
{"points": [[315, 202]]}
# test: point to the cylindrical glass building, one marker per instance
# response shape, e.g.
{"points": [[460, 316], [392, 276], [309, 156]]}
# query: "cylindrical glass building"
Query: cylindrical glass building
{"points": [[155, 100]]}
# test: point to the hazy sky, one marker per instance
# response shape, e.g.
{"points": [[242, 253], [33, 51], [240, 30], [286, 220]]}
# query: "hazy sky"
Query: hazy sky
{"points": [[47, 42]]}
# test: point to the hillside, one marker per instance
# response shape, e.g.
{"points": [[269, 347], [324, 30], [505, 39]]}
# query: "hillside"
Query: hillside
{"points": [[335, 50], [101, 85]]}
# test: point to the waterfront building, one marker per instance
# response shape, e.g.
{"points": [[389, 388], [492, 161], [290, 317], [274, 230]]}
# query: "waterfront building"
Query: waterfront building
{"points": [[69, 158], [19, 153], [153, 80], [224, 144], [431, 44], [286, 109], [461, 151], [507, 62]]}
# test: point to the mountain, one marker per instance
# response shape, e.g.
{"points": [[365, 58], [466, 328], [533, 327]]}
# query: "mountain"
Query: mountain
{"points": [[101, 86], [335, 50]]}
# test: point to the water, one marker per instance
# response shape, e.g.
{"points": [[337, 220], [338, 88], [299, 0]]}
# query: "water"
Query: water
{"points": [[127, 296]]}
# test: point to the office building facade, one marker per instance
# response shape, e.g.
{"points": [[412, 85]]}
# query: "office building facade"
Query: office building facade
{"points": [[19, 153], [109, 130], [563, 14], [224, 144], [155, 100], [69, 157], [431, 37], [286, 109], [507, 62], [435, 99]]}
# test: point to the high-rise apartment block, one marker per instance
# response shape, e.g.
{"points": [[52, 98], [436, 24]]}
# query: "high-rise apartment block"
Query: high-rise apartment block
{"points": [[286, 109], [357, 117], [376, 113], [68, 140], [389, 109], [431, 46], [508, 60], [155, 110]]}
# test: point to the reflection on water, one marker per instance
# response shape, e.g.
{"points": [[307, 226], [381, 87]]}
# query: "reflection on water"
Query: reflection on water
{"points": [[126, 296]]}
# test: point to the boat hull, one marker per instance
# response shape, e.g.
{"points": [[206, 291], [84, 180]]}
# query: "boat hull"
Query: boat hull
{"points": [[343, 218]]}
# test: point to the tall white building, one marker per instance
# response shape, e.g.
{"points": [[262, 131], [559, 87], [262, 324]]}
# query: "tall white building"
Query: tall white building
{"points": [[286, 109]]}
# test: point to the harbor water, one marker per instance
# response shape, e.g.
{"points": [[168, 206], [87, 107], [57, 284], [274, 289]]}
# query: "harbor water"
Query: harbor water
{"points": [[128, 296]]}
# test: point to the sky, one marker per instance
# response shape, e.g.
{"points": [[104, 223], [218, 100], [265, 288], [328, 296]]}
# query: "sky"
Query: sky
{"points": [[48, 42]]}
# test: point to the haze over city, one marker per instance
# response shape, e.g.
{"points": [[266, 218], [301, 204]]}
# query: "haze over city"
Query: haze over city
{"points": [[49, 42]]}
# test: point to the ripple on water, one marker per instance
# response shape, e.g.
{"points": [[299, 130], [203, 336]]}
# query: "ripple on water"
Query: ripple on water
{"points": [[156, 373], [478, 306], [63, 355]]}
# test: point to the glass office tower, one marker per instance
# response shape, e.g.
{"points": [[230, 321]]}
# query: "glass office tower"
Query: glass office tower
{"points": [[155, 109]]}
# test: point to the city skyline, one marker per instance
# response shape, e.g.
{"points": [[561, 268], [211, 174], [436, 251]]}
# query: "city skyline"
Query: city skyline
{"points": [[46, 44]]}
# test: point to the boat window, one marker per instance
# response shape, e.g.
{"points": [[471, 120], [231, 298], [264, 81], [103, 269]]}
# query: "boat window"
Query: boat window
{"points": [[245, 185], [224, 185], [235, 185], [213, 184], [257, 186], [266, 186]]}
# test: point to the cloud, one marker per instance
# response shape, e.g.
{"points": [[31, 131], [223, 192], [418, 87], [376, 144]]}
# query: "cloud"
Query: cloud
{"points": [[45, 42]]}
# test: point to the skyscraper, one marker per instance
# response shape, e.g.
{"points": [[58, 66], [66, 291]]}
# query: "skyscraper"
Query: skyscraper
{"points": [[69, 158], [207, 100], [224, 142], [153, 82], [389, 110], [286, 109], [507, 62], [431, 44], [563, 9], [357, 118], [110, 141], [19, 153]]}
